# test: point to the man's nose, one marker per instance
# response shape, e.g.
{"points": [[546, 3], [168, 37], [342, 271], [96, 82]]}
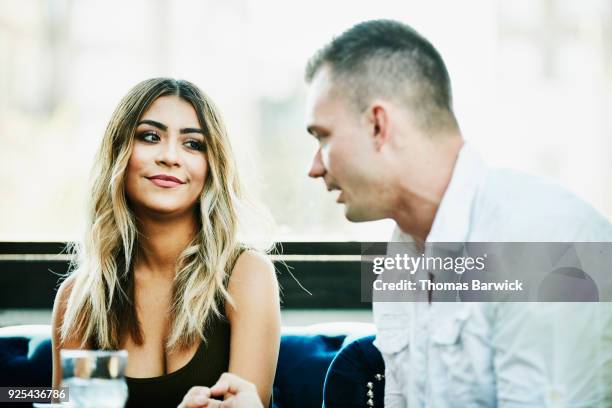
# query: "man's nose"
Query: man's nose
{"points": [[317, 169], [168, 153]]}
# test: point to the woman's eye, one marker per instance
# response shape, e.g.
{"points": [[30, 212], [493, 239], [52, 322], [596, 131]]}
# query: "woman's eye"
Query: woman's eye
{"points": [[195, 145], [149, 137]]}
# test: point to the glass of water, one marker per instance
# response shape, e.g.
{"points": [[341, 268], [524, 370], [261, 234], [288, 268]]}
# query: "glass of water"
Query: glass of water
{"points": [[95, 378]]}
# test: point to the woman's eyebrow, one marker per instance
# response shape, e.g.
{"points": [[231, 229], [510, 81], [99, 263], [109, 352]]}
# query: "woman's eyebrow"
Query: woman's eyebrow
{"points": [[163, 127], [154, 123], [192, 130]]}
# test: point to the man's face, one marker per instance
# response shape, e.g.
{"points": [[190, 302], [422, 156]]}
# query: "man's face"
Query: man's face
{"points": [[344, 158]]}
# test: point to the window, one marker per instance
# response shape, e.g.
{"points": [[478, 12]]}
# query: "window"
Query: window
{"points": [[531, 89]]}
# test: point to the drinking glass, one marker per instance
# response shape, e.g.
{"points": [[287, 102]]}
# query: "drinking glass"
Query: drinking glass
{"points": [[95, 378]]}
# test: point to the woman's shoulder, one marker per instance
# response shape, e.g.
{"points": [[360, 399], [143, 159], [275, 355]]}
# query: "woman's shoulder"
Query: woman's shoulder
{"points": [[253, 280], [63, 294], [59, 310], [253, 265]]}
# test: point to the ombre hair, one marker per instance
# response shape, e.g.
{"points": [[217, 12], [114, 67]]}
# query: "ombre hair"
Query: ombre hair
{"points": [[101, 305]]}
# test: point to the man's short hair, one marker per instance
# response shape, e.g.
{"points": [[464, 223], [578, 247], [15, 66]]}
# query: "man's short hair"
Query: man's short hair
{"points": [[386, 58]]}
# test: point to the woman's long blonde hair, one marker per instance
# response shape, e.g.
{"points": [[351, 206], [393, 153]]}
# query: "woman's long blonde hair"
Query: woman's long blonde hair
{"points": [[101, 305]]}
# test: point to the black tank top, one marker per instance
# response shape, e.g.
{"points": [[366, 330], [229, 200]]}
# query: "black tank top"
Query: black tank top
{"points": [[204, 369]]}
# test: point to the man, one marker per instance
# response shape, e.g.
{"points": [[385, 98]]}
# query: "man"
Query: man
{"points": [[379, 103]]}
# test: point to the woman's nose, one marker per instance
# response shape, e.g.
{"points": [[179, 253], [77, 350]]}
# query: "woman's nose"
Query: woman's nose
{"points": [[168, 154]]}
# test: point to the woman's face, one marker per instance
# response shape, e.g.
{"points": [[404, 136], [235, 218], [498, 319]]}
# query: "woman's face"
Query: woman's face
{"points": [[168, 166]]}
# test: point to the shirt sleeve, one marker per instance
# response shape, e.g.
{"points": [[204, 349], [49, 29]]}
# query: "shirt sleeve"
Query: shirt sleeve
{"points": [[396, 381]]}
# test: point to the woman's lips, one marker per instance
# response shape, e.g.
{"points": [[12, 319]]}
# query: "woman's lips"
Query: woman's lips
{"points": [[164, 182]]}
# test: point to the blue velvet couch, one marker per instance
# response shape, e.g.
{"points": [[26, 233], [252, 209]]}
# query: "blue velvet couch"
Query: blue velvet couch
{"points": [[332, 364]]}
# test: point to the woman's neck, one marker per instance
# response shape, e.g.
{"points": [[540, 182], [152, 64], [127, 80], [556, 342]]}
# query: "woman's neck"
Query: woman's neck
{"points": [[160, 242]]}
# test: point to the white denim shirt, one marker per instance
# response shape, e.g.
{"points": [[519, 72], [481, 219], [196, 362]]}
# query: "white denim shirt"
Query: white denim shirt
{"points": [[500, 354]]}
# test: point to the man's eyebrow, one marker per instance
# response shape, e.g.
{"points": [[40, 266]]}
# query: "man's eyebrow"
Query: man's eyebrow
{"points": [[163, 127], [154, 123]]}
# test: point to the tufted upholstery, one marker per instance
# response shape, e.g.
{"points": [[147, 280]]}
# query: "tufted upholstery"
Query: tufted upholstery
{"points": [[356, 376], [25, 356], [305, 356]]}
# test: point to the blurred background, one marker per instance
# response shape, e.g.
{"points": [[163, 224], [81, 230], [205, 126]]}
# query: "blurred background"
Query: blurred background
{"points": [[532, 82]]}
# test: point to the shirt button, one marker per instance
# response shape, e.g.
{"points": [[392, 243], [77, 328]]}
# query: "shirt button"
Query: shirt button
{"points": [[555, 397]]}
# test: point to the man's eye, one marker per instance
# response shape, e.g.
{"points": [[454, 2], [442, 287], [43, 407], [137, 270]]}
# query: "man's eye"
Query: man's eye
{"points": [[149, 137], [195, 145]]}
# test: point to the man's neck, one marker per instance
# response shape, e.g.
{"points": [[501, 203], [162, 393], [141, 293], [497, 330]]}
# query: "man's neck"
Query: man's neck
{"points": [[416, 206]]}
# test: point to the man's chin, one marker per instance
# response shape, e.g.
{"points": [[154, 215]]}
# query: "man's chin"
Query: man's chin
{"points": [[359, 214]]}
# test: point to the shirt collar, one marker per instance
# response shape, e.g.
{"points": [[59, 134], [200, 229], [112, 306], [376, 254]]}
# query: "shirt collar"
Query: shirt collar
{"points": [[453, 218]]}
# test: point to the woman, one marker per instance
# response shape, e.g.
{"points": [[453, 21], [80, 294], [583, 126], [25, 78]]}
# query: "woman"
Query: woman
{"points": [[161, 272]]}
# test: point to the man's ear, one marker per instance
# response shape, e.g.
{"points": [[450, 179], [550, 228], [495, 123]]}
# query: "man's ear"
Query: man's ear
{"points": [[378, 118]]}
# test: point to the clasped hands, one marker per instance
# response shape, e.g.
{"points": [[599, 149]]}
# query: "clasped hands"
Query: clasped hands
{"points": [[232, 391]]}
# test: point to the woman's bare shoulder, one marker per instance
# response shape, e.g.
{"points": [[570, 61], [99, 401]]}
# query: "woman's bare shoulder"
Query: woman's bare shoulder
{"points": [[253, 267], [59, 309], [63, 294], [253, 286]]}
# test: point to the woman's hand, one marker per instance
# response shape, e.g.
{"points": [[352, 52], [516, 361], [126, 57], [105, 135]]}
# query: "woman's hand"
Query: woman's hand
{"points": [[197, 397], [235, 392]]}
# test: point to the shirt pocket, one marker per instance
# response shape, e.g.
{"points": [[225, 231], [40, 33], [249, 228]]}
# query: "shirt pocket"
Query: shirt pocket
{"points": [[453, 366], [392, 334]]}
